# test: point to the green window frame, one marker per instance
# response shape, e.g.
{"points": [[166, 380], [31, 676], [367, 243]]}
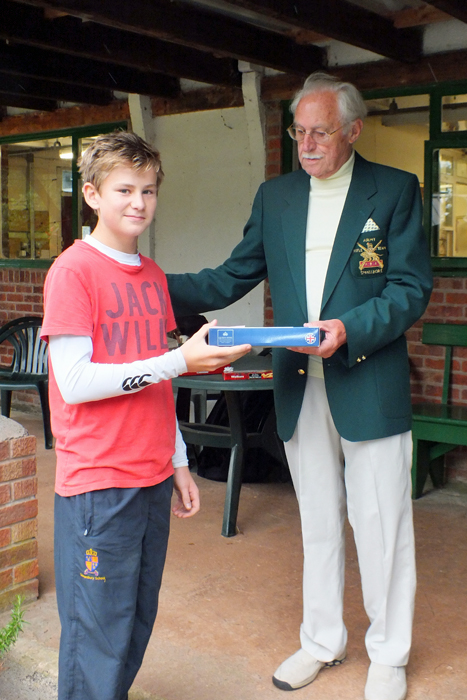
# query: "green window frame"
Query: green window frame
{"points": [[76, 134]]}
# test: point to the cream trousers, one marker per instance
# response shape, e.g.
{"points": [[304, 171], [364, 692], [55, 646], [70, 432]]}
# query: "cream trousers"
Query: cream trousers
{"points": [[370, 481]]}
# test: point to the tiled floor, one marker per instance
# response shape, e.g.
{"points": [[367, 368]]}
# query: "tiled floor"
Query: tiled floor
{"points": [[230, 608]]}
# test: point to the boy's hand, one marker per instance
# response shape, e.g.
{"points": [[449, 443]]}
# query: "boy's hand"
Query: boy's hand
{"points": [[200, 357], [187, 494]]}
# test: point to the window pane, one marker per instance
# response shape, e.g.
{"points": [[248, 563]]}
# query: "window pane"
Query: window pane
{"points": [[395, 131], [449, 202], [454, 113], [35, 183]]}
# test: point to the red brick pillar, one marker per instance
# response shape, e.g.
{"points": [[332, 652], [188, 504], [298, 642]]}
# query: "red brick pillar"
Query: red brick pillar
{"points": [[18, 520]]}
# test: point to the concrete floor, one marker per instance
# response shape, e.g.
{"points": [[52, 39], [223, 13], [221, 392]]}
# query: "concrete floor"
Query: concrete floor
{"points": [[230, 609]]}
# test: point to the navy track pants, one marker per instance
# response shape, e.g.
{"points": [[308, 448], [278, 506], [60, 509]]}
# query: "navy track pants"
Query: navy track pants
{"points": [[110, 548]]}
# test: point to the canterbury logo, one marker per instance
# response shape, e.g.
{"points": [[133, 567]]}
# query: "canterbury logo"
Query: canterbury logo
{"points": [[131, 383]]}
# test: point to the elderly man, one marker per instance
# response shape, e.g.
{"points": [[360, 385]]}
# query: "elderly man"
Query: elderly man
{"points": [[342, 244]]}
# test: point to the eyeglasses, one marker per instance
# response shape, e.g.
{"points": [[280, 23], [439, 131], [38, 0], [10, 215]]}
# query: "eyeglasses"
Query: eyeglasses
{"points": [[298, 134]]}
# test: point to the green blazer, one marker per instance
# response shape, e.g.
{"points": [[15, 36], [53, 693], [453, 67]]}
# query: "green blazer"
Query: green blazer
{"points": [[378, 284]]}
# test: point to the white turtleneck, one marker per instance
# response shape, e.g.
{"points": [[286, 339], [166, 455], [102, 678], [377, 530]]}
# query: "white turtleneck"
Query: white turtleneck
{"points": [[327, 198]]}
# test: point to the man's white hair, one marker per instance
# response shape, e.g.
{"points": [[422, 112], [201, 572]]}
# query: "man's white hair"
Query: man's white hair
{"points": [[351, 104]]}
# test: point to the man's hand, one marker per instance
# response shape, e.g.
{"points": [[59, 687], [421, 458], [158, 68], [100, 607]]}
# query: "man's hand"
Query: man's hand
{"points": [[187, 503], [200, 357], [335, 337]]}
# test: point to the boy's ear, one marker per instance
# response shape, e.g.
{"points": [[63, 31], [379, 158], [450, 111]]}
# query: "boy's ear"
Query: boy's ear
{"points": [[90, 195]]}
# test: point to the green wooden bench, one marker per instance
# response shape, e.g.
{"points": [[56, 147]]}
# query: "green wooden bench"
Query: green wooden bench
{"points": [[438, 427]]}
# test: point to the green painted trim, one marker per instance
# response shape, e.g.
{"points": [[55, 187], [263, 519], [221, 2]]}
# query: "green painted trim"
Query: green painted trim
{"points": [[452, 87], [395, 92], [448, 334], [435, 116], [25, 263], [449, 267], [428, 178], [447, 264], [79, 131], [457, 139], [448, 274]]}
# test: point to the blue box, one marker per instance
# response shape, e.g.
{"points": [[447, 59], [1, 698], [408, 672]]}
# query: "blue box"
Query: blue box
{"points": [[274, 336]]}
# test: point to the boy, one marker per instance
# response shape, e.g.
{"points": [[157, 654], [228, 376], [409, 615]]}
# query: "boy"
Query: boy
{"points": [[107, 312]]}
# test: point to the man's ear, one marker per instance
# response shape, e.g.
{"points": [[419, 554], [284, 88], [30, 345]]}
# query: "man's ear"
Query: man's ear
{"points": [[90, 195], [355, 130]]}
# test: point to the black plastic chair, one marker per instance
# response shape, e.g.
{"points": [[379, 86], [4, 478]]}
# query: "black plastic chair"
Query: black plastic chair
{"points": [[26, 366]]}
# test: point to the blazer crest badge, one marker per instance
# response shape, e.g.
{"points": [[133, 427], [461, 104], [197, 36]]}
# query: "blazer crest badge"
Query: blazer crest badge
{"points": [[370, 254], [371, 259]]}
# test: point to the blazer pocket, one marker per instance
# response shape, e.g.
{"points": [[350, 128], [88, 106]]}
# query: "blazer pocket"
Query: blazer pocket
{"points": [[369, 256]]}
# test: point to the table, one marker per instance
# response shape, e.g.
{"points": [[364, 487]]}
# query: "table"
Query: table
{"points": [[234, 436]]}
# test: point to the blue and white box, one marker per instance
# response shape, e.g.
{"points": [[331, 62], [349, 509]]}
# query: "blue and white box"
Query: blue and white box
{"points": [[274, 336]]}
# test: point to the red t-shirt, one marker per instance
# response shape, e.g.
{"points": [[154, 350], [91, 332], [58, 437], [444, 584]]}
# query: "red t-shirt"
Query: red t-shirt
{"points": [[125, 441]]}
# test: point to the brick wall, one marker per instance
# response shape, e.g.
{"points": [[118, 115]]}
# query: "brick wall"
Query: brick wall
{"points": [[273, 140], [18, 521], [21, 295]]}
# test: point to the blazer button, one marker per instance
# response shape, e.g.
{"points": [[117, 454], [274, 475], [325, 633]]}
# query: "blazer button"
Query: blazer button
{"points": [[363, 357], [359, 359], [301, 371]]}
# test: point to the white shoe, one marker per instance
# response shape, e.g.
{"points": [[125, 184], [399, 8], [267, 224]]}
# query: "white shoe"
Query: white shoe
{"points": [[385, 683], [300, 669]]}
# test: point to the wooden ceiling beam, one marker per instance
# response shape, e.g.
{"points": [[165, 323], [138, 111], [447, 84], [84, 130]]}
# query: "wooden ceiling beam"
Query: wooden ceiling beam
{"points": [[50, 90], [456, 8], [342, 21], [200, 30], [198, 101], [417, 16], [26, 25], [37, 63], [36, 104], [376, 75]]}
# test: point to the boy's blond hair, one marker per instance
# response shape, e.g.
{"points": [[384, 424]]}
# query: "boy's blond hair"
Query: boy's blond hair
{"points": [[116, 149]]}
